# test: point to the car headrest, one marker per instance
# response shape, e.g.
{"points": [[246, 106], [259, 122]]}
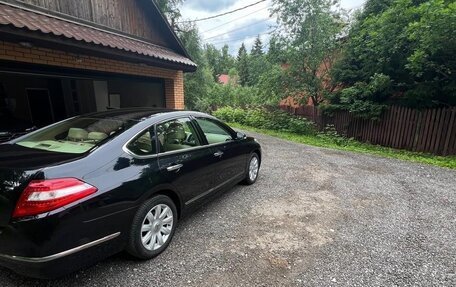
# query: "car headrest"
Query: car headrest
{"points": [[77, 134], [97, 136], [175, 132]]}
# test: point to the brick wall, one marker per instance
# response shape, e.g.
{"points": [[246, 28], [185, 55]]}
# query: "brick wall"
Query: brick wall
{"points": [[174, 80]]}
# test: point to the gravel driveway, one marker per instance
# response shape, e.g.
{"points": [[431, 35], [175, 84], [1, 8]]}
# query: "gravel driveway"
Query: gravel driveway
{"points": [[316, 217]]}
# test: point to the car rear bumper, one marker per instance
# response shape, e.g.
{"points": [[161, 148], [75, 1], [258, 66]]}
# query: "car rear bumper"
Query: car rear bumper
{"points": [[62, 263], [62, 243]]}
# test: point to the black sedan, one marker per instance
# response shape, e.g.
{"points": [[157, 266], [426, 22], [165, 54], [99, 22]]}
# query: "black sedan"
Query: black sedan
{"points": [[88, 187]]}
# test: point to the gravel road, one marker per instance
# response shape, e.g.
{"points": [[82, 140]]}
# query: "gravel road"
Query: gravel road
{"points": [[316, 217]]}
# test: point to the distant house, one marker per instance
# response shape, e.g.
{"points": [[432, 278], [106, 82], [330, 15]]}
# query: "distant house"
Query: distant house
{"points": [[224, 79], [62, 58], [296, 100]]}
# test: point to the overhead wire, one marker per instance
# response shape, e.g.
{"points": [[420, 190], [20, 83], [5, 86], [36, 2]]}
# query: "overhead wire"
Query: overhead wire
{"points": [[223, 14], [237, 29], [231, 21], [227, 41]]}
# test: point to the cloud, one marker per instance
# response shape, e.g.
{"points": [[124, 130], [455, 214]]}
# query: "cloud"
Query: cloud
{"points": [[210, 6], [350, 4]]}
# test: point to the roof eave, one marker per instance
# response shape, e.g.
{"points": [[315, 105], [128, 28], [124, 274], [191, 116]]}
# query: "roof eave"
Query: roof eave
{"points": [[171, 30], [74, 46]]}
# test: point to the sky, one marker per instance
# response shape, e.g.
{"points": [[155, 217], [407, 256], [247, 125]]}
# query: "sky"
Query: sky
{"points": [[242, 26]]}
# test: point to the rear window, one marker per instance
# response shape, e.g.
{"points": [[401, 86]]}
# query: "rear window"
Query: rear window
{"points": [[76, 136]]}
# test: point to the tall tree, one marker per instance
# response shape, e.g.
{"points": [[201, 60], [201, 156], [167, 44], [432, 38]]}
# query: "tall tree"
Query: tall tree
{"points": [[411, 42], [196, 84], [258, 63], [213, 57], [257, 49], [243, 65], [275, 51], [227, 60], [375, 7], [310, 38], [170, 8]]}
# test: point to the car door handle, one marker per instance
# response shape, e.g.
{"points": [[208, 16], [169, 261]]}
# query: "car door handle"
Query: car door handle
{"points": [[176, 167], [218, 154]]}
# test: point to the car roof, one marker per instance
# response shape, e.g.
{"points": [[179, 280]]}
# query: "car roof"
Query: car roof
{"points": [[140, 114]]}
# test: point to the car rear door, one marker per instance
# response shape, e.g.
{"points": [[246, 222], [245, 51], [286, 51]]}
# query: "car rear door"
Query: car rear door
{"points": [[231, 161], [184, 161]]}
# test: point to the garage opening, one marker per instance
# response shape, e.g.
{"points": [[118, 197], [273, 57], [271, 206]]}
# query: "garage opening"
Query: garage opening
{"points": [[29, 101]]}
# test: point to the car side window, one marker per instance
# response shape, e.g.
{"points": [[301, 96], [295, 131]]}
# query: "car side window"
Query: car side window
{"points": [[175, 135], [144, 144], [214, 132]]}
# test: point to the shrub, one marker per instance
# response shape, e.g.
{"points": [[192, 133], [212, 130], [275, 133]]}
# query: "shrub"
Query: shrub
{"points": [[330, 135], [232, 115], [271, 119]]}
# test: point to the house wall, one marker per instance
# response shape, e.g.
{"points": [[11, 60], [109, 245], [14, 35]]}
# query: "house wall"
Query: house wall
{"points": [[173, 79], [128, 16]]}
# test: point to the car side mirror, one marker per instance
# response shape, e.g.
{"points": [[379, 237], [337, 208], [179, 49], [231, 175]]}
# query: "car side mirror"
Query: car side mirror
{"points": [[240, 136]]}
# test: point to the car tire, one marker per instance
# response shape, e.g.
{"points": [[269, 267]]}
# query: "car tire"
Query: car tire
{"points": [[251, 176], [146, 223]]}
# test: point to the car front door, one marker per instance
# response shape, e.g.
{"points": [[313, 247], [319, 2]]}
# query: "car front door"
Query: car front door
{"points": [[231, 161], [183, 159]]}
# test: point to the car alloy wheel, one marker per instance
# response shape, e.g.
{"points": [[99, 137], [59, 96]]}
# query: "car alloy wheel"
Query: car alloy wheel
{"points": [[153, 227], [157, 226], [253, 168]]}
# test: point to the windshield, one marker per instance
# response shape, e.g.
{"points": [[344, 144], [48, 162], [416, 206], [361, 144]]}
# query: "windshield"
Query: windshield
{"points": [[75, 136]]}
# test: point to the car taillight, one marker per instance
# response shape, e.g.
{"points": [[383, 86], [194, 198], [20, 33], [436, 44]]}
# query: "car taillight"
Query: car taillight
{"points": [[42, 196]]}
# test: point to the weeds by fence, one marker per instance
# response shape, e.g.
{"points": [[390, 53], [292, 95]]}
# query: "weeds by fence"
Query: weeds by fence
{"points": [[431, 130]]}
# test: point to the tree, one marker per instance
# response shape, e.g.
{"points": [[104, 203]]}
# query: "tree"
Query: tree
{"points": [[170, 8], [257, 49], [258, 63], [213, 57], [375, 7], [242, 64], [310, 38], [275, 51], [270, 91], [226, 60], [412, 42], [198, 83]]}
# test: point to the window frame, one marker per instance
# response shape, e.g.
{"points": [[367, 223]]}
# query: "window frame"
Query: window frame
{"points": [[199, 133], [195, 128], [215, 121], [130, 152]]}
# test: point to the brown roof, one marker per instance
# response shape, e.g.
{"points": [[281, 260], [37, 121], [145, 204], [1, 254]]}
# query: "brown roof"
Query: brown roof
{"points": [[46, 24]]}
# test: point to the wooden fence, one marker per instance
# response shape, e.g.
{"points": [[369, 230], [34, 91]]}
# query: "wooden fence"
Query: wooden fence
{"points": [[431, 130]]}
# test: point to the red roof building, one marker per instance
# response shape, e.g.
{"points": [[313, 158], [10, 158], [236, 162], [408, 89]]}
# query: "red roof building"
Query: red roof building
{"points": [[224, 79]]}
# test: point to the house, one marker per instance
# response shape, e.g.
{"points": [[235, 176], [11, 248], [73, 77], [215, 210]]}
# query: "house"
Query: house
{"points": [[300, 100], [61, 58]]}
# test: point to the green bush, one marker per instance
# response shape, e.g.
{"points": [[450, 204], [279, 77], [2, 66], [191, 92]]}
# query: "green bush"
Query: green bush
{"points": [[331, 136], [271, 119], [232, 115]]}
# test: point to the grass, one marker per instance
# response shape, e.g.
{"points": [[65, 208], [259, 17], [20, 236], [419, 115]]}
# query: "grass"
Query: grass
{"points": [[339, 143]]}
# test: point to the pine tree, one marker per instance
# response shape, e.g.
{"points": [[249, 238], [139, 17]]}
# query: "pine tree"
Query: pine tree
{"points": [[243, 65], [275, 53], [226, 60], [257, 49]]}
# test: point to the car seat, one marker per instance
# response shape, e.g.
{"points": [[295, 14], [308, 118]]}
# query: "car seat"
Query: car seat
{"points": [[174, 137], [77, 134], [97, 136]]}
